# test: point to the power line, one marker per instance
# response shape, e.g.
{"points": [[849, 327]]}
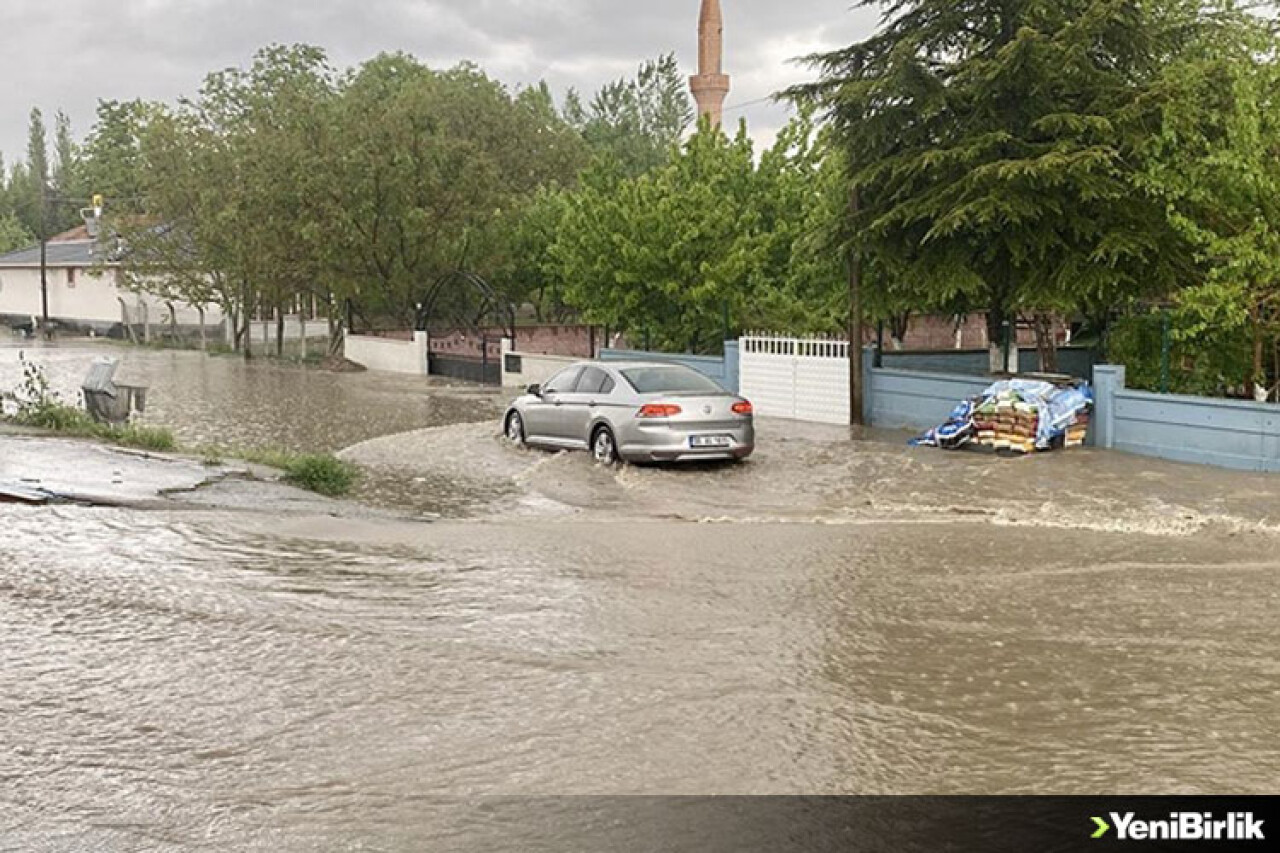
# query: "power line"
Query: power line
{"points": [[745, 104]]}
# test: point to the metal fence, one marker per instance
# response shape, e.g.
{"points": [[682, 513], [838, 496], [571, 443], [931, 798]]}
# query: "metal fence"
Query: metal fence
{"points": [[485, 371], [804, 379]]}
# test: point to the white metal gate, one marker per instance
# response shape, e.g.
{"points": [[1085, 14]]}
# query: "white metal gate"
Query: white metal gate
{"points": [[804, 379]]}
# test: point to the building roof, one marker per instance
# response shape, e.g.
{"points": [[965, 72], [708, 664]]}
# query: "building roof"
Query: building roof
{"points": [[64, 253]]}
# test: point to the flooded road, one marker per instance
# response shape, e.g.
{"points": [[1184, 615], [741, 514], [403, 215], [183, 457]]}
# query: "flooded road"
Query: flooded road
{"points": [[836, 616], [222, 400]]}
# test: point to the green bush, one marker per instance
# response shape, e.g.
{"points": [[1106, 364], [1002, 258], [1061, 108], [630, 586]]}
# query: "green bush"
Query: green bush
{"points": [[1204, 364], [142, 437], [68, 420], [57, 417], [322, 473]]}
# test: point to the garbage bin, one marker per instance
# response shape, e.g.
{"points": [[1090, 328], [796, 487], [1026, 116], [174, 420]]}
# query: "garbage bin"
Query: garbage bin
{"points": [[106, 401]]}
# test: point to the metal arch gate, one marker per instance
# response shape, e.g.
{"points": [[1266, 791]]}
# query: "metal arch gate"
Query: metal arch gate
{"points": [[803, 379]]}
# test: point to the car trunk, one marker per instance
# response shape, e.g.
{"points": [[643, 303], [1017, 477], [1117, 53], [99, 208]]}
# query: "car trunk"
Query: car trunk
{"points": [[700, 411]]}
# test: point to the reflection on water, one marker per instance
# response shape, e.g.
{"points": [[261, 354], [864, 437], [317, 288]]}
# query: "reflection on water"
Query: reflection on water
{"points": [[222, 400]]}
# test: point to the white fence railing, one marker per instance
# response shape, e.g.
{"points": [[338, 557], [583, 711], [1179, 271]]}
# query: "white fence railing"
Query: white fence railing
{"points": [[804, 379]]}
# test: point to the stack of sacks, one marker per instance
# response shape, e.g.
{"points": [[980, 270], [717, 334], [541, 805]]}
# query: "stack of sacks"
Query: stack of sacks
{"points": [[1078, 432], [1026, 423], [1007, 421], [985, 422], [1019, 415]]}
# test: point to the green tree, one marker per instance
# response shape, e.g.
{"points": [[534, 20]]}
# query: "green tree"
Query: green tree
{"points": [[428, 164], [992, 146], [634, 124], [526, 272], [230, 185], [710, 240], [30, 182], [13, 234], [1215, 163], [111, 161]]}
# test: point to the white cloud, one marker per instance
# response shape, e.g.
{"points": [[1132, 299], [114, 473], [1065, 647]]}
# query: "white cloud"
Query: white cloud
{"points": [[88, 50]]}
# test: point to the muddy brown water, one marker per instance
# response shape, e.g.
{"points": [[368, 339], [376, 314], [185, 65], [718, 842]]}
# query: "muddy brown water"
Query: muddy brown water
{"points": [[836, 616]]}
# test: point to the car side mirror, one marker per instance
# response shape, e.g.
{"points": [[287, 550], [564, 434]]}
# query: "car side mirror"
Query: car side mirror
{"points": [[535, 390]]}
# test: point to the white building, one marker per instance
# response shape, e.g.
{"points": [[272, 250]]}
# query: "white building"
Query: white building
{"points": [[85, 291]]}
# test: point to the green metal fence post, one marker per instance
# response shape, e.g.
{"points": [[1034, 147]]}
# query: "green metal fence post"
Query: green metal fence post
{"points": [[1164, 351]]}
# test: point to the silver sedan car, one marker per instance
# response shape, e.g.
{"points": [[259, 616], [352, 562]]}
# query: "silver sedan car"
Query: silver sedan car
{"points": [[635, 412]]}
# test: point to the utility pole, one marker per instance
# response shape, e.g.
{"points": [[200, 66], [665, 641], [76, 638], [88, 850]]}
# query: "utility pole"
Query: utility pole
{"points": [[856, 391], [46, 201], [44, 260]]}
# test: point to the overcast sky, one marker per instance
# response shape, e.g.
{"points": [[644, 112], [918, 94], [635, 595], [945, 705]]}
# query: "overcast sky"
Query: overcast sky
{"points": [[69, 54]]}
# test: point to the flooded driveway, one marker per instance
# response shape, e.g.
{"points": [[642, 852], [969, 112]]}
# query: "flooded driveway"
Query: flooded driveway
{"points": [[836, 616]]}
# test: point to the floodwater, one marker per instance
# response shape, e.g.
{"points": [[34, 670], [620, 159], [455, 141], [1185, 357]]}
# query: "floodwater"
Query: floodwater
{"points": [[224, 401], [838, 615]]}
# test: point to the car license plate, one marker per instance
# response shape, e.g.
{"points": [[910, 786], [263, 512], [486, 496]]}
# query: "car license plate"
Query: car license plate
{"points": [[710, 441]]}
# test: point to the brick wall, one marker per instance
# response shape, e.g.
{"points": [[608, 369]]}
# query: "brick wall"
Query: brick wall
{"points": [[570, 341], [935, 332]]}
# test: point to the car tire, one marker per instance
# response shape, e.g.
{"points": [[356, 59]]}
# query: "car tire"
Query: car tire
{"points": [[513, 429], [604, 449]]}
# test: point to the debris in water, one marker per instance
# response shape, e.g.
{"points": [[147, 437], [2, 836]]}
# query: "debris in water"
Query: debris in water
{"points": [[22, 495]]}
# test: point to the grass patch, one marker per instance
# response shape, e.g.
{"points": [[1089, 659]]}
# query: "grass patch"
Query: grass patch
{"points": [[35, 405], [322, 473], [68, 420]]}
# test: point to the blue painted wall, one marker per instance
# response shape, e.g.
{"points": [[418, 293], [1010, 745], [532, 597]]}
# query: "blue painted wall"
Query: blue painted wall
{"points": [[1224, 433], [914, 399], [723, 369]]}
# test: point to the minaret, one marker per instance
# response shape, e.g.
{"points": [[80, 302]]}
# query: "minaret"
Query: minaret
{"points": [[711, 85]]}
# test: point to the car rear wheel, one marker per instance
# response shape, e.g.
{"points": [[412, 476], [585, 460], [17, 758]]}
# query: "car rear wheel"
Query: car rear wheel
{"points": [[515, 428], [603, 448]]}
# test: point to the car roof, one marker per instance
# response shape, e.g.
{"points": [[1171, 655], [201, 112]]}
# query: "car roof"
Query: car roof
{"points": [[627, 365]]}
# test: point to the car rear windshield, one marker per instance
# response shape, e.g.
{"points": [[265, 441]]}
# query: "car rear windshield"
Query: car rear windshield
{"points": [[670, 379]]}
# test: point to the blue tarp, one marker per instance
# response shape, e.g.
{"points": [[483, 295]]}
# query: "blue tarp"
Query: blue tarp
{"points": [[1058, 408]]}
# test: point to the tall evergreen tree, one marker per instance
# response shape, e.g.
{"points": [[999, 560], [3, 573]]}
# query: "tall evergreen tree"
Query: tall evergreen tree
{"points": [[30, 194], [991, 142]]}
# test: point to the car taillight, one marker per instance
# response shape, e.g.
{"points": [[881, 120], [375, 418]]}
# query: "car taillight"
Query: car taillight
{"points": [[658, 410], [743, 408]]}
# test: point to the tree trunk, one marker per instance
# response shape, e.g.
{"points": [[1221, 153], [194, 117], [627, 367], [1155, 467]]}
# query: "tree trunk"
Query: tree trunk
{"points": [[856, 332], [1046, 342], [899, 326], [337, 333], [124, 320], [279, 333], [246, 306], [995, 340], [204, 342]]}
